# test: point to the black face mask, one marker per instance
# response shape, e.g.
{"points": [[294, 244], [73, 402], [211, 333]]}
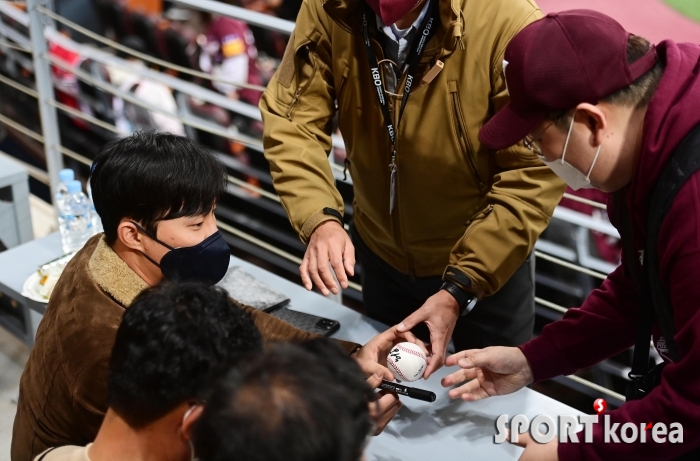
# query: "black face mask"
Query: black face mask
{"points": [[206, 262]]}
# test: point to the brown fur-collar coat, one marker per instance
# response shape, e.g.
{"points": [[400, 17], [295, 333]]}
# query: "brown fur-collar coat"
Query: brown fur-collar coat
{"points": [[63, 390]]}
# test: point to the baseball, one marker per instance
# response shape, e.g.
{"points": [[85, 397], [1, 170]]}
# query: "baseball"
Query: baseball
{"points": [[407, 361]]}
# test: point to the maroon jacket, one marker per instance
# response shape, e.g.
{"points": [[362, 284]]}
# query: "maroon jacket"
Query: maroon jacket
{"points": [[605, 324]]}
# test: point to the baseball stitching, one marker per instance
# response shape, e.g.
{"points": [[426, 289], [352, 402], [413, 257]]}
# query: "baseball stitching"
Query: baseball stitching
{"points": [[398, 370], [412, 352], [409, 351]]}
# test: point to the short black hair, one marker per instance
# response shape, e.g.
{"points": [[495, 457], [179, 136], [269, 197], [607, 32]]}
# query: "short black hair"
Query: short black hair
{"points": [[173, 341], [149, 177], [636, 95], [303, 402]]}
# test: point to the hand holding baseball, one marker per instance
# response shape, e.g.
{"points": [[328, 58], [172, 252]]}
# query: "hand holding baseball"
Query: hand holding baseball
{"points": [[490, 371], [372, 356]]}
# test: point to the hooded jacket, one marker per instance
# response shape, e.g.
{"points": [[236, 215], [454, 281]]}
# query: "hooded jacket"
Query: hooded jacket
{"points": [[606, 323], [63, 389], [458, 203]]}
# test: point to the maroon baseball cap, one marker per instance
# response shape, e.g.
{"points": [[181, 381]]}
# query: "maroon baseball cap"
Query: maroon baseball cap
{"points": [[558, 62]]}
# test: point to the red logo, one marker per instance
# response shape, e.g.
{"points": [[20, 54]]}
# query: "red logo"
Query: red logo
{"points": [[600, 405]]}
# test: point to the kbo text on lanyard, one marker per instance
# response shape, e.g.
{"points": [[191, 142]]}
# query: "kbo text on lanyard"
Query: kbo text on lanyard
{"points": [[428, 29]]}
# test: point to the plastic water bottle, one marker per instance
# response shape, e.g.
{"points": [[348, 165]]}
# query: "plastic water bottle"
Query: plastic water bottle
{"points": [[74, 220], [94, 217], [64, 176]]}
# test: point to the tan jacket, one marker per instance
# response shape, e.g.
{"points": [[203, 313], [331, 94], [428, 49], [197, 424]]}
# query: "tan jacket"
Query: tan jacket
{"points": [[63, 389], [458, 202]]}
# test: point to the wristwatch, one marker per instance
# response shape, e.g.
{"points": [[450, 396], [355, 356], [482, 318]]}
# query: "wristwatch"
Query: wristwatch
{"points": [[465, 300]]}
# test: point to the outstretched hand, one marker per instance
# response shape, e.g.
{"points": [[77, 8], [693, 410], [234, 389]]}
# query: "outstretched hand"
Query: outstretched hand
{"points": [[491, 371]]}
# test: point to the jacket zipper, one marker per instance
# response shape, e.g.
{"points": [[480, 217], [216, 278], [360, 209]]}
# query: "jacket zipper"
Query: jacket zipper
{"points": [[464, 142], [398, 235], [300, 89], [297, 94]]}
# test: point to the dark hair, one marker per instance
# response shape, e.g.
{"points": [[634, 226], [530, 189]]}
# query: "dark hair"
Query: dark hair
{"points": [[135, 43], [149, 177], [300, 402], [173, 341], [638, 94]]}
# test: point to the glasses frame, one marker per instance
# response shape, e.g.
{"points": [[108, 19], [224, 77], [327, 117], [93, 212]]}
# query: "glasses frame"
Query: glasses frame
{"points": [[531, 142]]}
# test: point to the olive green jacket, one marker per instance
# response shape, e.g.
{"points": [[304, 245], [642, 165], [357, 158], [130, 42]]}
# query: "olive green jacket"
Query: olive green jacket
{"points": [[458, 202]]}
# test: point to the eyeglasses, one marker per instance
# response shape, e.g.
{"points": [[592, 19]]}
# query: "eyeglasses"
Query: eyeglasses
{"points": [[390, 75], [532, 142]]}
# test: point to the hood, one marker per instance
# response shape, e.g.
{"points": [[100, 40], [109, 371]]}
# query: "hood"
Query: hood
{"points": [[673, 112], [347, 14]]}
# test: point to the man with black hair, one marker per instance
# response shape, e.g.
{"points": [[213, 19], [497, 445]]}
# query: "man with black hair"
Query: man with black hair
{"points": [[155, 194], [302, 402], [173, 340]]}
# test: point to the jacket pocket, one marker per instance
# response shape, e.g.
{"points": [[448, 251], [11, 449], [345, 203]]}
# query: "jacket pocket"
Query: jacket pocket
{"points": [[305, 69], [341, 85], [461, 130]]}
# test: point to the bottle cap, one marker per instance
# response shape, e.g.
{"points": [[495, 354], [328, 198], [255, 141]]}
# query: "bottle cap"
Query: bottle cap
{"points": [[74, 187], [66, 175]]}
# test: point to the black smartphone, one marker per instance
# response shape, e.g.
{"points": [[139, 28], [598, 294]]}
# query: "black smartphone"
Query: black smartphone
{"points": [[307, 322]]}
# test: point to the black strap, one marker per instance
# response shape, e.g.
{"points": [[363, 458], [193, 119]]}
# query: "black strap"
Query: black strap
{"points": [[428, 29], [681, 166], [640, 359], [643, 267]]}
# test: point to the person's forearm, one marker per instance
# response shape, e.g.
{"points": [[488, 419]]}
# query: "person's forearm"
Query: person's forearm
{"points": [[603, 326], [504, 232]]}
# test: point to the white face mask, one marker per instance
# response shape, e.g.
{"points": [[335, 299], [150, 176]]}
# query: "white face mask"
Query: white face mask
{"points": [[570, 175]]}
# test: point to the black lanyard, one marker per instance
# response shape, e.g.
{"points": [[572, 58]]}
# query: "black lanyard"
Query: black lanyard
{"points": [[428, 29]]}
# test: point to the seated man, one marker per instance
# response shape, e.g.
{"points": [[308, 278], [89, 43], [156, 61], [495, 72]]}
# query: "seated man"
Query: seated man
{"points": [[284, 407], [173, 340], [155, 194]]}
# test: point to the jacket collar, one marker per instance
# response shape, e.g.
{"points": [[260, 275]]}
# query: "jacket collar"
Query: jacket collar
{"points": [[113, 275], [348, 15]]}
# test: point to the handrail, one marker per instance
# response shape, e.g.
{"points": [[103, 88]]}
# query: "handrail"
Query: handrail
{"points": [[145, 57], [251, 17], [36, 173], [18, 86]]}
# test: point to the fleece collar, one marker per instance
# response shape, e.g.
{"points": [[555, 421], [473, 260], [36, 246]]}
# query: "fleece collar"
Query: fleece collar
{"points": [[113, 275]]}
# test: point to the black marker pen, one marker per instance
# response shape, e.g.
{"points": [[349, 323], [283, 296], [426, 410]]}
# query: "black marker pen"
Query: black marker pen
{"points": [[414, 393]]}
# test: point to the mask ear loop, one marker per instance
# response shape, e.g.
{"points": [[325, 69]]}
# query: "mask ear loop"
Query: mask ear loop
{"points": [[590, 170], [189, 441], [568, 136]]}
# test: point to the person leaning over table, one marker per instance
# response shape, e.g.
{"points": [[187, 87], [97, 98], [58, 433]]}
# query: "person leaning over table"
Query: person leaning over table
{"points": [[607, 109], [439, 218], [156, 194]]}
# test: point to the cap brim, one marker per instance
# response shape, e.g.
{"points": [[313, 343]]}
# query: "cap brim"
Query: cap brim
{"points": [[508, 127]]}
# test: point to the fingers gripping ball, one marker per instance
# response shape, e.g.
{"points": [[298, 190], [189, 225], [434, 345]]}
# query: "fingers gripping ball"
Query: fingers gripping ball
{"points": [[407, 361]]}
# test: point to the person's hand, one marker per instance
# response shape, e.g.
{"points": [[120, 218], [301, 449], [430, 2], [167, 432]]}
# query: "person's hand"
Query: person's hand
{"points": [[537, 451], [440, 313], [328, 242], [490, 371], [372, 360], [385, 407], [372, 356]]}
